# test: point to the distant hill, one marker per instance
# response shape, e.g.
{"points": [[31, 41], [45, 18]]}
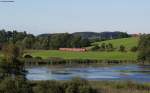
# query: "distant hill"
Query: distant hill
{"points": [[127, 42], [95, 35], [102, 35]]}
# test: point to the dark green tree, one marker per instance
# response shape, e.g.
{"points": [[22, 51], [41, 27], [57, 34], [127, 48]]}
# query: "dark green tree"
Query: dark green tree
{"points": [[103, 47], [95, 48], [122, 48], [3, 36], [144, 48], [84, 42], [134, 49], [29, 41], [55, 42], [75, 42], [110, 47]]}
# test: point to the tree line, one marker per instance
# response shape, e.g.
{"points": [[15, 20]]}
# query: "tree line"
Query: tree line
{"points": [[51, 41], [55, 41], [102, 35]]}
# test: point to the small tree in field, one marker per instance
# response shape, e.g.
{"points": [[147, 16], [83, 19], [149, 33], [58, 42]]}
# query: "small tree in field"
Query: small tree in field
{"points": [[95, 47], [134, 49], [122, 48], [27, 56], [103, 47], [110, 47]]}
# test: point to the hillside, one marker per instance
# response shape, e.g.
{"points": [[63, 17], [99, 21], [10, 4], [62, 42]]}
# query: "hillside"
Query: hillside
{"points": [[127, 42]]}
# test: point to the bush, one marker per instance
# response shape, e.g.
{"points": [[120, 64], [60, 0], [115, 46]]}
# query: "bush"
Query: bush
{"points": [[103, 47], [122, 48], [48, 87], [95, 47], [78, 85], [27, 56], [17, 85], [134, 49], [110, 47], [38, 57]]}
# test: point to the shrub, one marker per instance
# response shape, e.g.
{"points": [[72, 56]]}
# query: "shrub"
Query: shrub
{"points": [[134, 49], [48, 87], [110, 47], [17, 85], [38, 57], [122, 48], [27, 56], [103, 47], [95, 47], [78, 85]]}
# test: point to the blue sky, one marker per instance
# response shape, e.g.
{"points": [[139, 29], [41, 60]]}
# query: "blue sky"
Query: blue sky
{"points": [[52, 16]]}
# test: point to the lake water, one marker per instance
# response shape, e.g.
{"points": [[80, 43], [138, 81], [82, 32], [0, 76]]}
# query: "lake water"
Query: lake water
{"points": [[120, 72]]}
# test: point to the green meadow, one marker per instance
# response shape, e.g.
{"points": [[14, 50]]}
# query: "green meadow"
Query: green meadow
{"points": [[127, 42], [84, 55], [114, 55], [99, 55]]}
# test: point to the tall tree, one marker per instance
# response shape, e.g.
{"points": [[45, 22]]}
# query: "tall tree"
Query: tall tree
{"points": [[11, 65], [144, 48], [28, 41]]}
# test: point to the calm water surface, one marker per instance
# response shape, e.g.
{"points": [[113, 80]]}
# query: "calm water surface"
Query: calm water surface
{"points": [[121, 72]]}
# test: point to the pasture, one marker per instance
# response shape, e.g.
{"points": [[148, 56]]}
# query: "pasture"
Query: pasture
{"points": [[127, 42], [84, 55]]}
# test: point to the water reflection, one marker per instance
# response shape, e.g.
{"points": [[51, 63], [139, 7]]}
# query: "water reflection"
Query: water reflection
{"points": [[123, 72]]}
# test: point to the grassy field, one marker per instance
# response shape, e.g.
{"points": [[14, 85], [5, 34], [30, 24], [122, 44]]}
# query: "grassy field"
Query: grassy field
{"points": [[84, 55], [114, 55], [127, 42]]}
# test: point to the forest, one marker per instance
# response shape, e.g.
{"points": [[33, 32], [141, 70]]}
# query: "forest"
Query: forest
{"points": [[55, 41]]}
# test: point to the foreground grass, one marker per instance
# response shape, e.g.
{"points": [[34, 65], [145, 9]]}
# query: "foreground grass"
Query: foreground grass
{"points": [[100, 86], [84, 55], [120, 87]]}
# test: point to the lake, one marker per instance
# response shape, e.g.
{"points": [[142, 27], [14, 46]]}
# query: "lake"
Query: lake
{"points": [[139, 73]]}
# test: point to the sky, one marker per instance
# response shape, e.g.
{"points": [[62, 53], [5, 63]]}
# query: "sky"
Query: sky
{"points": [[54, 16]]}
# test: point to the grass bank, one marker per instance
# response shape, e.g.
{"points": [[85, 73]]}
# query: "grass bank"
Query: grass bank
{"points": [[98, 86], [120, 87]]}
